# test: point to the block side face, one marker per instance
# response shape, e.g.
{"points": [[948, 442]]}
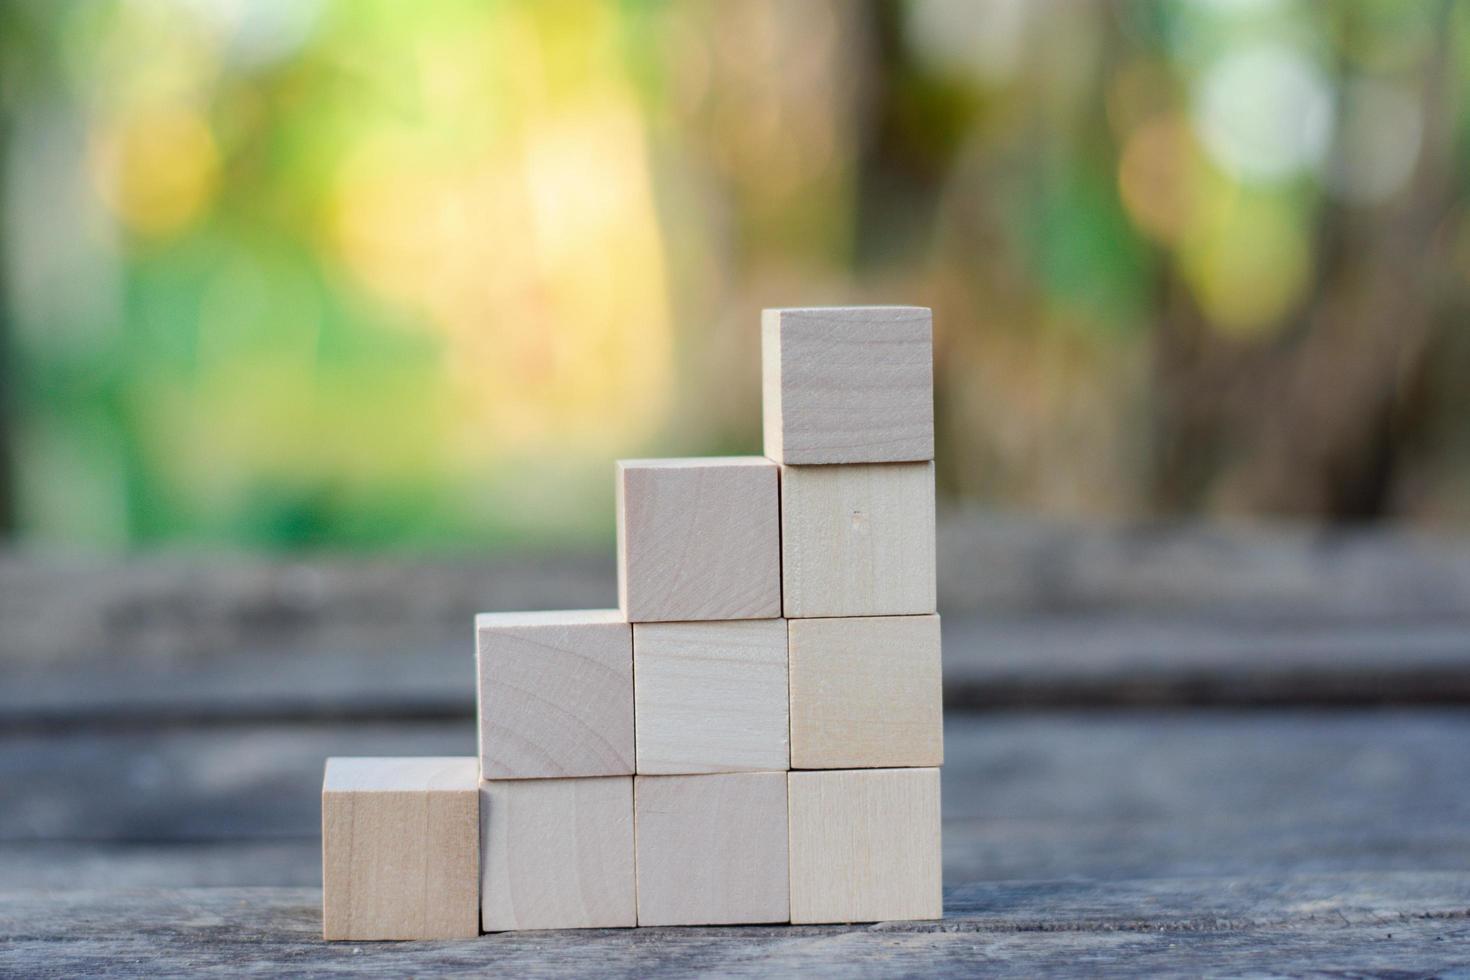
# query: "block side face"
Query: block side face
{"points": [[399, 865], [866, 693], [557, 854], [712, 849], [337, 847], [621, 537], [858, 540], [389, 866], [711, 697], [856, 385], [700, 542], [771, 423], [796, 539], [452, 862], [556, 701], [865, 846]]}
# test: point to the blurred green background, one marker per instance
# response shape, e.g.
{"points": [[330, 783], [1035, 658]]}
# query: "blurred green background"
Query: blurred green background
{"points": [[286, 273]]}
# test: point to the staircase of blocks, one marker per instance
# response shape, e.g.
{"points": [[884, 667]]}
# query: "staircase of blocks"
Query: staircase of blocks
{"points": [[753, 736]]}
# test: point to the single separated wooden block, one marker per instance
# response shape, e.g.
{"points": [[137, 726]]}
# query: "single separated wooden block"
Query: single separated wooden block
{"points": [[858, 540], [698, 539], [848, 384], [712, 849], [866, 692], [558, 854], [556, 694], [865, 845], [400, 849], [711, 697]]}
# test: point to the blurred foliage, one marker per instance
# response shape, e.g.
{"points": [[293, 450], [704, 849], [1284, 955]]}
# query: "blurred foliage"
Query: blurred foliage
{"points": [[295, 272]]}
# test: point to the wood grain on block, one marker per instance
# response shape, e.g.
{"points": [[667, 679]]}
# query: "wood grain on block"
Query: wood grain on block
{"points": [[711, 697], [558, 853], [866, 692], [698, 539], [848, 384], [712, 849], [555, 694], [865, 845], [400, 849], [858, 540]]}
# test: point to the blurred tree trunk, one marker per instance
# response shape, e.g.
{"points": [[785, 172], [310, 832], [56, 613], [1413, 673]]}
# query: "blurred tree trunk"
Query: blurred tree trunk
{"points": [[1314, 423]]}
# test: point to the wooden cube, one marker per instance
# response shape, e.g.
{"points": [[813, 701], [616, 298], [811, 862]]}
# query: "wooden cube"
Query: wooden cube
{"points": [[848, 384], [865, 693], [865, 845], [400, 849], [711, 697], [555, 694], [698, 539], [558, 853], [858, 540], [712, 849]]}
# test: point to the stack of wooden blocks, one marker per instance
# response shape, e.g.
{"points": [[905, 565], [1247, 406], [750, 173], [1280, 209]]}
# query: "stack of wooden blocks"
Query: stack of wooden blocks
{"points": [[754, 736]]}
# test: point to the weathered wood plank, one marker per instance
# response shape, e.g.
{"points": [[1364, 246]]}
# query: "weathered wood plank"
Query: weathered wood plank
{"points": [[1142, 659], [1135, 794], [128, 864], [1156, 794], [188, 784], [990, 661], [1362, 923], [198, 697], [1001, 562], [1037, 614], [167, 606]]}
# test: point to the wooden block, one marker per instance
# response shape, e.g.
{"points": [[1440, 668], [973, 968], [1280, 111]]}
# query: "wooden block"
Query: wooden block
{"points": [[858, 540], [556, 694], [711, 697], [712, 849], [866, 693], [865, 845], [558, 853], [400, 849], [848, 384], [698, 539]]}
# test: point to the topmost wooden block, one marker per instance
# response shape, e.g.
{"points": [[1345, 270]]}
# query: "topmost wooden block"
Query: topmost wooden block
{"points": [[848, 384]]}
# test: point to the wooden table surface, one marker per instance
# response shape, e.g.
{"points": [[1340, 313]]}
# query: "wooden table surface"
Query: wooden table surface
{"points": [[1184, 751]]}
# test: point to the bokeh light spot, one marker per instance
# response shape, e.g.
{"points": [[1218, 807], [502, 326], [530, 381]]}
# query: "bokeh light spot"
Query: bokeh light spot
{"points": [[1264, 111], [157, 170], [1158, 174], [1249, 264]]}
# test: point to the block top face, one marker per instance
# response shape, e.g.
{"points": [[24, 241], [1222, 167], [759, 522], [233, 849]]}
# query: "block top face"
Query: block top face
{"points": [[391, 775], [698, 539], [848, 384], [692, 462], [549, 617]]}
